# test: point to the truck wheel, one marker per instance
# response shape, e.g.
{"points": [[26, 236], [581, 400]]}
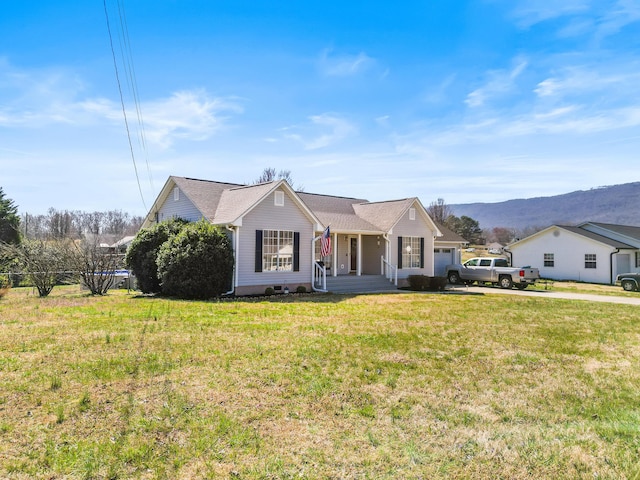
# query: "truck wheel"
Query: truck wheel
{"points": [[454, 278], [628, 286], [505, 282]]}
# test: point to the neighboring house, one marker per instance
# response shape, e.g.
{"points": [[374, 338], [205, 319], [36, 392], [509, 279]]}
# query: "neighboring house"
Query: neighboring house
{"points": [[121, 245], [494, 246], [275, 232], [591, 252]]}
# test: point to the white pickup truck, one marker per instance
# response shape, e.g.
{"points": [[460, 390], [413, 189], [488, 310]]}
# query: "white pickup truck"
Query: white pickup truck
{"points": [[492, 270]]}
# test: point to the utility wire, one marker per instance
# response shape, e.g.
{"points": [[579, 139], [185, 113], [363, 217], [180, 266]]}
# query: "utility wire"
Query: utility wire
{"points": [[124, 111], [127, 61]]}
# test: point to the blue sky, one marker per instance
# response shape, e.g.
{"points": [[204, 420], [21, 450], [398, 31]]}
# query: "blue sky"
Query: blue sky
{"points": [[469, 101]]}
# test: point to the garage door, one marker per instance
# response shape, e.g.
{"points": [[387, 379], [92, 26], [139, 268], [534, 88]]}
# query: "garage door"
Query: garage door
{"points": [[441, 258]]}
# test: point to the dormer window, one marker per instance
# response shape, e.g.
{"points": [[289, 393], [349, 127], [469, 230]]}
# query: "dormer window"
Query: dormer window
{"points": [[279, 199]]}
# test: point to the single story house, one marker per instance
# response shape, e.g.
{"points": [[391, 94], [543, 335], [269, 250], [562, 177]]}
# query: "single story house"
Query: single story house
{"points": [[276, 232], [591, 252]]}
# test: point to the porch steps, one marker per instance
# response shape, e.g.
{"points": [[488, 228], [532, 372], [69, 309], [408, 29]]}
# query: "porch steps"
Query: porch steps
{"points": [[359, 284]]}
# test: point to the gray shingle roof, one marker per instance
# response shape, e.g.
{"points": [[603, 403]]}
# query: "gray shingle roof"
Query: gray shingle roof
{"points": [[384, 214], [626, 230], [204, 194], [221, 203], [337, 212], [448, 235], [595, 236]]}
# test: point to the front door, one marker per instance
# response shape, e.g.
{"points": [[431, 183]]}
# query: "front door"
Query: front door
{"points": [[353, 249]]}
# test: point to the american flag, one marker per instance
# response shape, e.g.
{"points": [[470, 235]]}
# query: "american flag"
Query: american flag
{"points": [[325, 243]]}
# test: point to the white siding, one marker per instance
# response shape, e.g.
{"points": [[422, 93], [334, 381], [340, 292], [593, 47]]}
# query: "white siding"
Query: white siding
{"points": [[569, 252], [267, 216], [413, 228], [181, 208]]}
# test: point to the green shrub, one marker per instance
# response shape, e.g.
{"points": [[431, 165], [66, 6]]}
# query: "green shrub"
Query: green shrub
{"points": [[196, 263], [269, 291], [421, 283], [143, 252], [301, 289]]}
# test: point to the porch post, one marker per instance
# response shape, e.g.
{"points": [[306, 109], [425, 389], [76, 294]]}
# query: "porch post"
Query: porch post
{"points": [[359, 256], [334, 259]]}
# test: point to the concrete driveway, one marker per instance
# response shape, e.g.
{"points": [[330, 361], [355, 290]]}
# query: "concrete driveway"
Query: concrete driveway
{"points": [[547, 294]]}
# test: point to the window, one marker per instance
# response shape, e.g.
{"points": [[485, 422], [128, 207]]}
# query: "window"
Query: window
{"points": [[485, 262], [549, 260], [501, 262], [411, 252], [589, 260], [412, 214], [176, 194], [277, 251], [279, 199]]}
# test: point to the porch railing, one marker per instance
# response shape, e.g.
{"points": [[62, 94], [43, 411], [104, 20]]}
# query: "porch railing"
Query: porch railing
{"points": [[389, 271], [319, 277]]}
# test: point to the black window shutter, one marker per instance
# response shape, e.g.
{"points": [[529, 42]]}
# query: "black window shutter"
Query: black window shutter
{"points": [[258, 250], [421, 252], [399, 252], [296, 251]]}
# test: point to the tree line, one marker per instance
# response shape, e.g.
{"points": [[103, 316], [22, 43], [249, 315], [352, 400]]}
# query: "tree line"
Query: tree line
{"points": [[78, 224]]}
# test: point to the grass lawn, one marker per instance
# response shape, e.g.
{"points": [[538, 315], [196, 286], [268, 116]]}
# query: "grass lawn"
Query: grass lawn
{"points": [[326, 386]]}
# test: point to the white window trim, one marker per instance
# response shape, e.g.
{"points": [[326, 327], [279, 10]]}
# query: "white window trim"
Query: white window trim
{"points": [[277, 258], [410, 256], [279, 199], [590, 259]]}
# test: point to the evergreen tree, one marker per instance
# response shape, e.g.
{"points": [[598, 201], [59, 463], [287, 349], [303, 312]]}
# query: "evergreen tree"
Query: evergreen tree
{"points": [[9, 220]]}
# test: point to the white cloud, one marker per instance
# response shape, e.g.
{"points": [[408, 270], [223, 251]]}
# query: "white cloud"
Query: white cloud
{"points": [[323, 130], [617, 82], [624, 13], [343, 65], [42, 98], [601, 18], [186, 115], [530, 12], [499, 83]]}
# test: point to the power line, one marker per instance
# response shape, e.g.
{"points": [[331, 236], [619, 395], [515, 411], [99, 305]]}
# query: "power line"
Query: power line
{"points": [[124, 111], [127, 61]]}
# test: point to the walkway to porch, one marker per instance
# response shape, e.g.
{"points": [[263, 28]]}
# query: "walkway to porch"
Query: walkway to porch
{"points": [[359, 284]]}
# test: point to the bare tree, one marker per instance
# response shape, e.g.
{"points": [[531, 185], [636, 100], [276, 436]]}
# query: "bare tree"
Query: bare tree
{"points": [[270, 174], [42, 262], [96, 265], [439, 211]]}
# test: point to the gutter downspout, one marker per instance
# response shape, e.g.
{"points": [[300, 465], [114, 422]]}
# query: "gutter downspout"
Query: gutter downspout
{"points": [[510, 253], [611, 265], [234, 244]]}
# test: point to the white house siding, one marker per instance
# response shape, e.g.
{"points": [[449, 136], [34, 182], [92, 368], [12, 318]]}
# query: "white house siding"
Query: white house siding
{"points": [[181, 208], [413, 228], [569, 251], [267, 216]]}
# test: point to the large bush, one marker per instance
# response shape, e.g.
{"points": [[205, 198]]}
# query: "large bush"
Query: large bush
{"points": [[143, 251], [196, 263]]}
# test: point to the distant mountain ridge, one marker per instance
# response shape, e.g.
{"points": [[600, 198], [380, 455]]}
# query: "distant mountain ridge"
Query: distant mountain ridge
{"points": [[618, 204]]}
